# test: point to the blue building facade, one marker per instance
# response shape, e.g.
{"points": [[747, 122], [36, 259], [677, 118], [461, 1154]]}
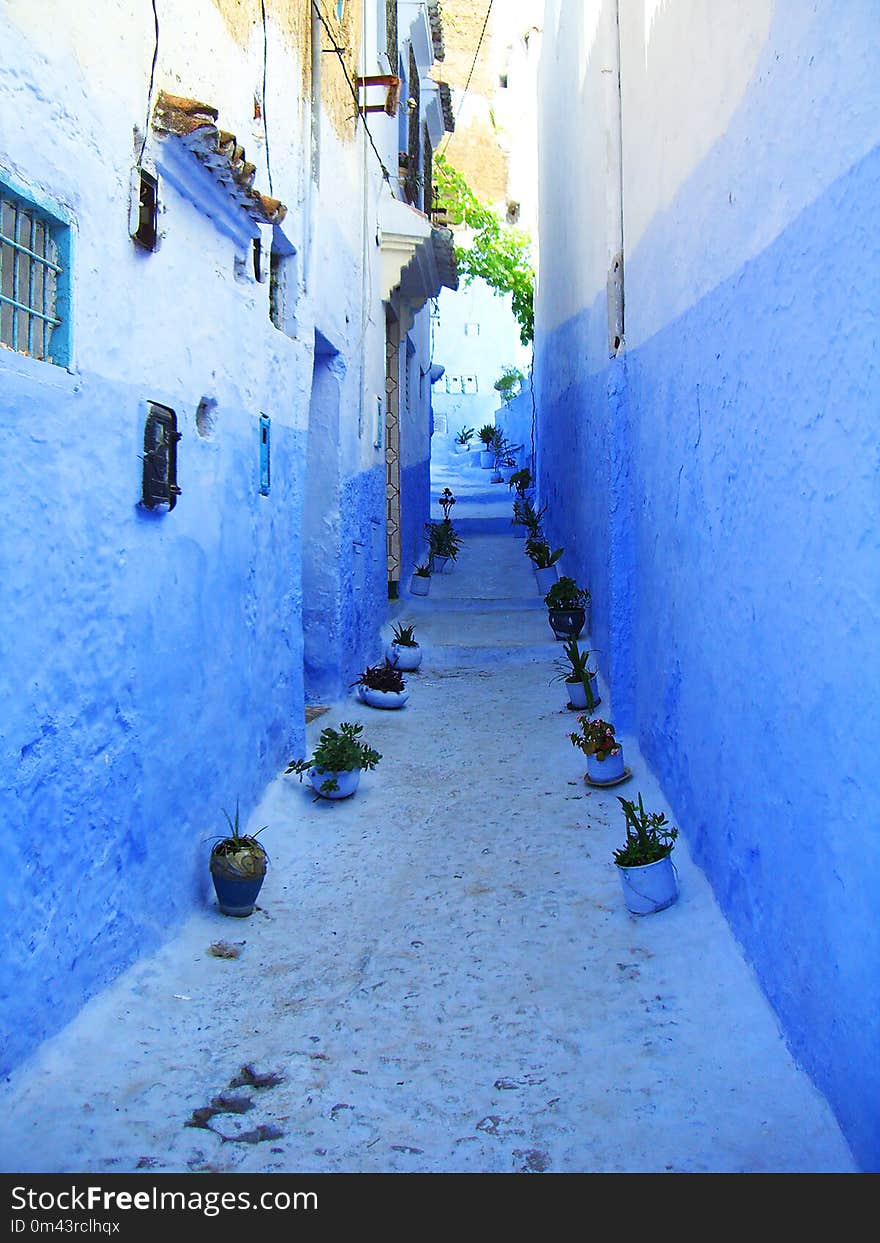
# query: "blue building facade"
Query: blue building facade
{"points": [[184, 284], [707, 384]]}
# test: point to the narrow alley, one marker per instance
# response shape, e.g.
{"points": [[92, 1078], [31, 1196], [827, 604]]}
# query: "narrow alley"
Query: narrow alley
{"points": [[441, 974]]}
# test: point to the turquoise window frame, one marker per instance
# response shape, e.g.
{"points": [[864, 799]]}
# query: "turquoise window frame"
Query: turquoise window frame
{"points": [[51, 304]]}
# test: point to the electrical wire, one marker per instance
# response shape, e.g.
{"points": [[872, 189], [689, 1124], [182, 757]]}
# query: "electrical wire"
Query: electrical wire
{"points": [[352, 87], [152, 80], [471, 74], [263, 101]]}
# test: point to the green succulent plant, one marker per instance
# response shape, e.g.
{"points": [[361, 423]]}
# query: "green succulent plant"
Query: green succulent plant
{"points": [[338, 750], [648, 839], [404, 636], [540, 554], [565, 594], [240, 854]]}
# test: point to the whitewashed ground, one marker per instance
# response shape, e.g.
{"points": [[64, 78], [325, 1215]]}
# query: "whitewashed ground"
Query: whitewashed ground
{"points": [[442, 974]]}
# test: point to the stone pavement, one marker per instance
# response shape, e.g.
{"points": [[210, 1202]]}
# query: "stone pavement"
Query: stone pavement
{"points": [[441, 975]]}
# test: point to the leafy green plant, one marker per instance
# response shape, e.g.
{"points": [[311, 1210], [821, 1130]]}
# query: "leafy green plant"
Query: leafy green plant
{"points": [[338, 751], [487, 435], [505, 451], [508, 383], [573, 667], [525, 514], [648, 839], [241, 854], [443, 539], [498, 254], [565, 594], [520, 481], [464, 436], [595, 738], [404, 636], [382, 677], [422, 571], [539, 553]]}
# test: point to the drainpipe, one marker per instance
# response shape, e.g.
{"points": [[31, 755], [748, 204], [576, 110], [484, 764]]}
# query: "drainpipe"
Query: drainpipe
{"points": [[622, 554], [315, 144], [614, 112]]}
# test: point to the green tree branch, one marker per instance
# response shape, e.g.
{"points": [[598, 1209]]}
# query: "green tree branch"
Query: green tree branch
{"points": [[501, 256]]}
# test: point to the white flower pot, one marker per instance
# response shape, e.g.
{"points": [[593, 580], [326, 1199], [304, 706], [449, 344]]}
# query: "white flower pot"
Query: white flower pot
{"points": [[419, 584], [649, 888], [577, 696], [346, 781], [546, 578], [457, 448], [406, 658], [382, 699], [605, 770]]}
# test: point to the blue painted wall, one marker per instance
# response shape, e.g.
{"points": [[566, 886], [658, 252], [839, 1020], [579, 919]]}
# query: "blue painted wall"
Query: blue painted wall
{"points": [[515, 420], [147, 680], [363, 571], [415, 503], [717, 489]]}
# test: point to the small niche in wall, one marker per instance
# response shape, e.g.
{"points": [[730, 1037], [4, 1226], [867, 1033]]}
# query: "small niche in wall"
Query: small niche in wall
{"points": [[283, 284], [206, 417]]}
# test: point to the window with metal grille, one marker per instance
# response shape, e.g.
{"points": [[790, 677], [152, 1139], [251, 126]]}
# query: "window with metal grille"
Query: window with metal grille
{"points": [[34, 279]]}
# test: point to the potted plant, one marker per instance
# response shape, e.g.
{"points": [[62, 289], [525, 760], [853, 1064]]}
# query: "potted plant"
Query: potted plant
{"points": [[487, 435], [238, 868], [334, 770], [527, 518], [462, 440], [644, 862], [543, 561], [521, 482], [403, 650], [509, 383], [567, 608], [446, 500], [444, 544], [580, 681], [420, 582], [507, 462], [382, 686], [604, 753], [505, 457]]}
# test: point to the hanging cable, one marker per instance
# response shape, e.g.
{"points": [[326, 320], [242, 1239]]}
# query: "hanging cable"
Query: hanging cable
{"points": [[152, 80], [471, 74], [263, 101], [351, 86]]}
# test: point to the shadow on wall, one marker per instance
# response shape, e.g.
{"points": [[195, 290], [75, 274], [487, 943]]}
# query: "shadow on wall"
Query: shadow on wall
{"points": [[321, 529]]}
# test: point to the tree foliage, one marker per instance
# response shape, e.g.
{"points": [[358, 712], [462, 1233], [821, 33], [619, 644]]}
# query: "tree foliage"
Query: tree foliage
{"points": [[498, 254]]}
